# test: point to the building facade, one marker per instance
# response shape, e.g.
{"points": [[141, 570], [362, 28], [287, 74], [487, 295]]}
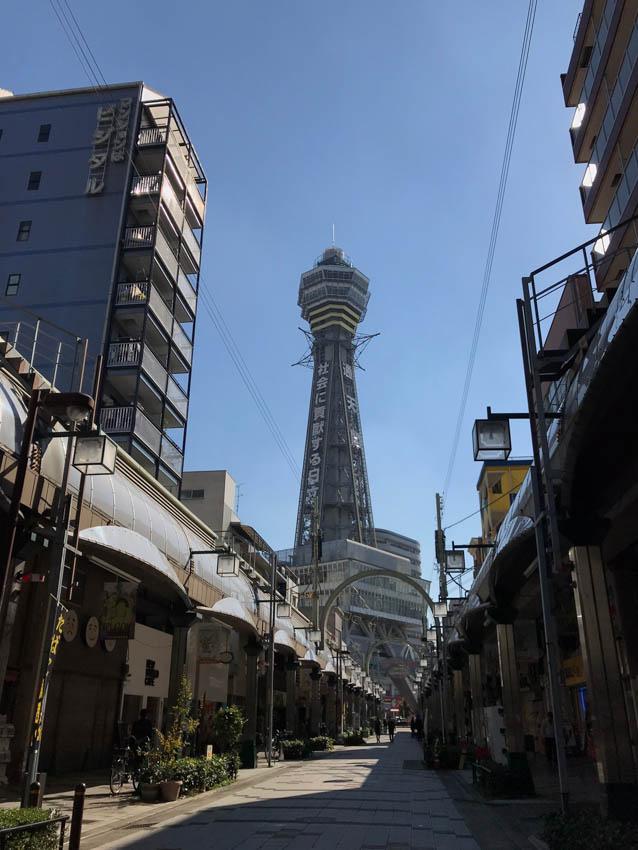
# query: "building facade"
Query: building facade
{"points": [[102, 219], [600, 85]]}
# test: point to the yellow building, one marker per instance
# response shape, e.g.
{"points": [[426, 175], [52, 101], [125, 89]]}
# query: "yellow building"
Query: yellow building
{"points": [[498, 484]]}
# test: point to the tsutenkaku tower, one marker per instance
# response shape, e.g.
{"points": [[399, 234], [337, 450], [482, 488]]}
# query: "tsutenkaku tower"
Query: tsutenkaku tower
{"points": [[333, 297]]}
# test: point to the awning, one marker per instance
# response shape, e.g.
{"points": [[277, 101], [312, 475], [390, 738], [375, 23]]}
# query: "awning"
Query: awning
{"points": [[329, 668], [284, 640], [232, 612], [132, 553]]}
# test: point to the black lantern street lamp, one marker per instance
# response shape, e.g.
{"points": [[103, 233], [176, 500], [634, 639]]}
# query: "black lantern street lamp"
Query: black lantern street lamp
{"points": [[491, 439]]}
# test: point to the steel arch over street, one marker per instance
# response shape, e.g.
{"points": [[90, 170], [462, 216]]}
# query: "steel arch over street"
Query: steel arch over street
{"points": [[374, 646], [370, 574]]}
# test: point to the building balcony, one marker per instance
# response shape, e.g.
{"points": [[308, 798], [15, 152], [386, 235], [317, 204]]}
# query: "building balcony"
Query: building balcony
{"points": [[131, 420], [146, 184], [132, 293], [139, 236], [152, 136], [612, 128]]}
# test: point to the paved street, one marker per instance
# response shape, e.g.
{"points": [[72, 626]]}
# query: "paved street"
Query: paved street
{"points": [[370, 797]]}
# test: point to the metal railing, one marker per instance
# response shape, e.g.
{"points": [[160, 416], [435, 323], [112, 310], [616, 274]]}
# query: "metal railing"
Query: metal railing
{"points": [[27, 830], [139, 237], [146, 184], [135, 292], [57, 354], [124, 353], [152, 136], [115, 420]]}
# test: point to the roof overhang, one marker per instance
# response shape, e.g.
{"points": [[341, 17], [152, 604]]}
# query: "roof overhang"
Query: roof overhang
{"points": [[129, 551]]}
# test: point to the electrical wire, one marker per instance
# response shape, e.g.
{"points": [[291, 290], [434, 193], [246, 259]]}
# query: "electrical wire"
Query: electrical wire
{"points": [[486, 505], [518, 90], [86, 57]]}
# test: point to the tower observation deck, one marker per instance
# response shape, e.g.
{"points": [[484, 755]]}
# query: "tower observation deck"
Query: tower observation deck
{"points": [[333, 297]]}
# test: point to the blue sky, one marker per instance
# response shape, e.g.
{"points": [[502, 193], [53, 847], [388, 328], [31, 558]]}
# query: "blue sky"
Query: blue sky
{"points": [[390, 121]]}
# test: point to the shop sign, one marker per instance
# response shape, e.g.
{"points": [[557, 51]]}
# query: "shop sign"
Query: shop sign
{"points": [[118, 610], [392, 703], [44, 683], [574, 671]]}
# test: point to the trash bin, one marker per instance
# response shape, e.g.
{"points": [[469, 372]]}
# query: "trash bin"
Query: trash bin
{"points": [[248, 754]]}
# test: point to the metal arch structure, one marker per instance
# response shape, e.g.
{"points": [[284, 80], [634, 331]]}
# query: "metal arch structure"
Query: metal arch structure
{"points": [[370, 574], [374, 646]]}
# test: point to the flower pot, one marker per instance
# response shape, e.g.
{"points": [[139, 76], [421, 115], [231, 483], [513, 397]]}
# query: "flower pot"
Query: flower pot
{"points": [[170, 789], [149, 791]]}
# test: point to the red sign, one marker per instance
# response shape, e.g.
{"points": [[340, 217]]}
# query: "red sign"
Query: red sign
{"points": [[392, 703]]}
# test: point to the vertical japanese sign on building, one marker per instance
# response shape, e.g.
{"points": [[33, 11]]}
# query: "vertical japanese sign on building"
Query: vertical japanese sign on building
{"points": [[110, 139], [317, 435], [44, 683]]}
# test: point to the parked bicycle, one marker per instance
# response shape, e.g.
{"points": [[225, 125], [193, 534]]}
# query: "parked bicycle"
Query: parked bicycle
{"points": [[127, 766]]}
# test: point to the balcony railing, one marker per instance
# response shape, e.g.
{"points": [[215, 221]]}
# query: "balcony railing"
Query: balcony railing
{"points": [[617, 208], [186, 289], [183, 343], [117, 420], [124, 353], [139, 237], [154, 369], [160, 310], [167, 255], [171, 455], [152, 136], [146, 184], [132, 293], [124, 420], [177, 397]]}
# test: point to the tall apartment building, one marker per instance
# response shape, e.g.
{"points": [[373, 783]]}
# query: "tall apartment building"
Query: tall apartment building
{"points": [[101, 222], [399, 544], [601, 84]]}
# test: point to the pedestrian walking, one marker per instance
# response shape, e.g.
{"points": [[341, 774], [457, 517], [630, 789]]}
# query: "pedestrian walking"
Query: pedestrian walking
{"points": [[418, 723], [377, 730], [391, 726], [549, 735], [413, 725]]}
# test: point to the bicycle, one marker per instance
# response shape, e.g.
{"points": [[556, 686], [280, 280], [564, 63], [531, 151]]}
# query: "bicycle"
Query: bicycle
{"points": [[127, 765]]}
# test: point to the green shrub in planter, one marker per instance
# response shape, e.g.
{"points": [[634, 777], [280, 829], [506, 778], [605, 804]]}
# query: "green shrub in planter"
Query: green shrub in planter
{"points": [[201, 774], [321, 742], [295, 749], [353, 739], [44, 839], [585, 830]]}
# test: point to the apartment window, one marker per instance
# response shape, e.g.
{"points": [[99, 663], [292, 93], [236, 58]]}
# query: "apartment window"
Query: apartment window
{"points": [[24, 231], [13, 283], [45, 132], [616, 179], [192, 494], [497, 488], [34, 180]]}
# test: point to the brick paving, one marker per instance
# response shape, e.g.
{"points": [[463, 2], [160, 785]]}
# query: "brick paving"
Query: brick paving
{"points": [[374, 797]]}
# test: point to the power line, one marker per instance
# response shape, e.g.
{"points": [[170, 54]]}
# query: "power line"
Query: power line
{"points": [[486, 505], [76, 38], [518, 91]]}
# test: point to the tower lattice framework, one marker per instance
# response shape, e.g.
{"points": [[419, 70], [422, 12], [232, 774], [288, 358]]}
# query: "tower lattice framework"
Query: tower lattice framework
{"points": [[333, 297]]}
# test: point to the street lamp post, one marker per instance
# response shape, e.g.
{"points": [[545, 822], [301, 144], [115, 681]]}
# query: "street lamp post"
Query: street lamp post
{"points": [[91, 453], [545, 523]]}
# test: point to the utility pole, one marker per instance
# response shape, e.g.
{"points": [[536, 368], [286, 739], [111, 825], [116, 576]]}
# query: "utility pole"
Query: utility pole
{"points": [[440, 555], [271, 656]]}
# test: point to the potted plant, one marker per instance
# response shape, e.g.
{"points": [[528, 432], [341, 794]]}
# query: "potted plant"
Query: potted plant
{"points": [[170, 746], [149, 779]]}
